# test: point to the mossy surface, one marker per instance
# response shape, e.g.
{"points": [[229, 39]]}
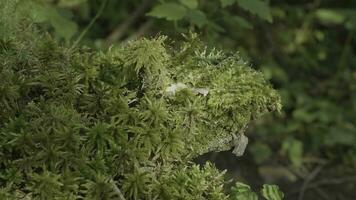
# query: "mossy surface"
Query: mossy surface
{"points": [[81, 124]]}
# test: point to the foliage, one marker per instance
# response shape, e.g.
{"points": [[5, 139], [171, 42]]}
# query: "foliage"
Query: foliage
{"points": [[311, 62], [64, 17], [189, 9], [81, 124], [47, 15], [243, 191]]}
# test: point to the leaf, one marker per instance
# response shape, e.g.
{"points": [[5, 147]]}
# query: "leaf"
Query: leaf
{"points": [[64, 27], [304, 115], [344, 17], [168, 11], [339, 135], [38, 14], [271, 192], [242, 22], [260, 152], [243, 192], [257, 7], [294, 150], [70, 3], [198, 17], [330, 16], [192, 4], [225, 3], [216, 27]]}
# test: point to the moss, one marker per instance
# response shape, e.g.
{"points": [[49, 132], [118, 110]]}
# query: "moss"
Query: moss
{"points": [[102, 125]]}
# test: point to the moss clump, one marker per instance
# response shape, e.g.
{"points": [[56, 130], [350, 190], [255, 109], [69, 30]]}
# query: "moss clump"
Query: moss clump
{"points": [[75, 123]]}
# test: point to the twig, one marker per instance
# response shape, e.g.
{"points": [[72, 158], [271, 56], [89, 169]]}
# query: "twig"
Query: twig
{"points": [[321, 193], [308, 179], [345, 51], [120, 30], [326, 182], [142, 31], [335, 181], [100, 11]]}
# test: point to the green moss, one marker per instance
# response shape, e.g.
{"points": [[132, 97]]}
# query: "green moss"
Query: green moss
{"points": [[102, 125]]}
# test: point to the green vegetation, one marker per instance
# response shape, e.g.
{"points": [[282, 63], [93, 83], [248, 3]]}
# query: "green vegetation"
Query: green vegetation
{"points": [[305, 49], [124, 123]]}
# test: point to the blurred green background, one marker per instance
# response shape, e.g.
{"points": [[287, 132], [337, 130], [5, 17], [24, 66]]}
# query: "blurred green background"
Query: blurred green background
{"points": [[306, 48]]}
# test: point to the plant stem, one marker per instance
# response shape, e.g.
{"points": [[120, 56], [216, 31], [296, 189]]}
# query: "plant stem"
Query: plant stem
{"points": [[100, 11]]}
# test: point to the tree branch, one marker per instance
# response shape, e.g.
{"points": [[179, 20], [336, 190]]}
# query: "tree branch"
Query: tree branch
{"points": [[305, 185]]}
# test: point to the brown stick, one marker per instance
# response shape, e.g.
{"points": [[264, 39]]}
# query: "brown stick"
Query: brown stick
{"points": [[141, 31], [121, 29], [305, 185]]}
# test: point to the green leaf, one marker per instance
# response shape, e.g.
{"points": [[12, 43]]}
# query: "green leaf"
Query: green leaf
{"points": [[271, 192], [260, 152], [63, 27], [168, 11], [198, 17], [330, 16], [225, 3], [192, 4], [344, 17], [294, 150], [38, 13], [242, 191], [216, 27], [70, 3], [304, 115], [257, 7], [242, 22], [339, 135]]}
